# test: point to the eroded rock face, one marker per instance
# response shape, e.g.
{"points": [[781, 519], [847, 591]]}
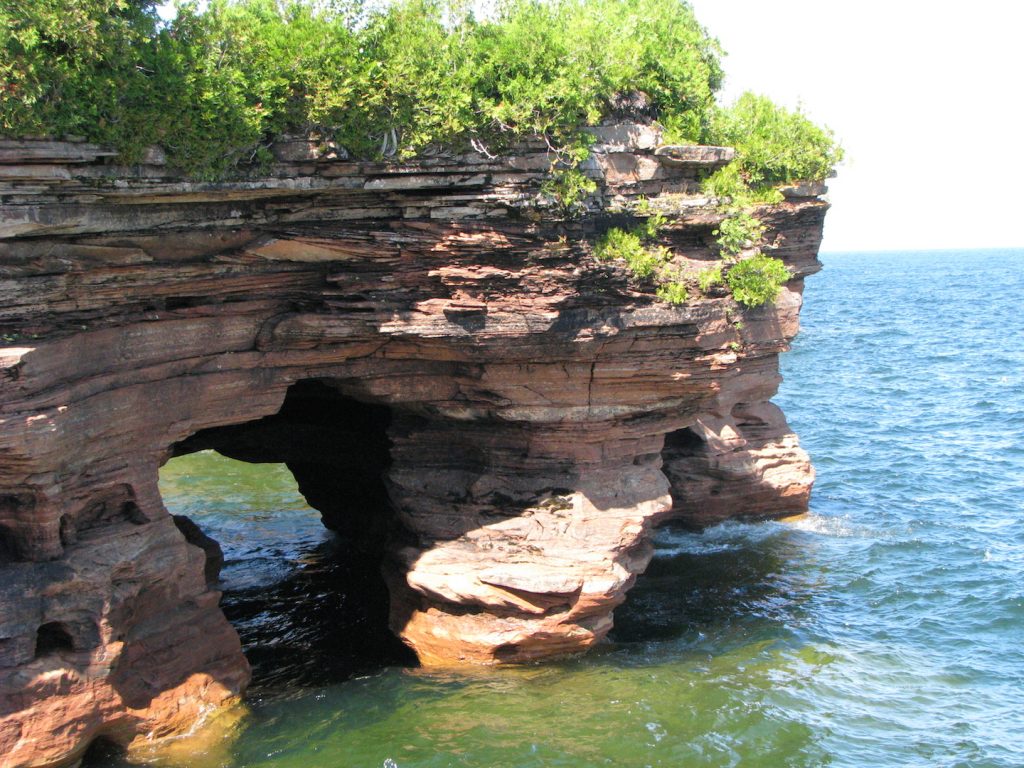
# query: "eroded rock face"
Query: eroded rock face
{"points": [[516, 395]]}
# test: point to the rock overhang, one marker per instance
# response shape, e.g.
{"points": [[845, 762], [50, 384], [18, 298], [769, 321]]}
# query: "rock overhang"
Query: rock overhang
{"points": [[531, 389]]}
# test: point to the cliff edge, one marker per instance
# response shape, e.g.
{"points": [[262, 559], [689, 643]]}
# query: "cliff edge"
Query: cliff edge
{"points": [[452, 377]]}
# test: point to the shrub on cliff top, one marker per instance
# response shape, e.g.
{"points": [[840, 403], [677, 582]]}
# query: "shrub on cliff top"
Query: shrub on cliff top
{"points": [[65, 63], [218, 82], [774, 145]]}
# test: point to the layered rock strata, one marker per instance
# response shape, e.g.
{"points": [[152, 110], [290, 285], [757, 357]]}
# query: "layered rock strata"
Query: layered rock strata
{"points": [[432, 349]]}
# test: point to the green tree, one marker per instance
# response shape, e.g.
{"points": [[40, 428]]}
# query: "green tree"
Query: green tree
{"points": [[774, 145], [219, 82]]}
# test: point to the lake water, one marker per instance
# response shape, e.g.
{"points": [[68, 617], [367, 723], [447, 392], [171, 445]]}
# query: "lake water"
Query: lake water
{"points": [[884, 629]]}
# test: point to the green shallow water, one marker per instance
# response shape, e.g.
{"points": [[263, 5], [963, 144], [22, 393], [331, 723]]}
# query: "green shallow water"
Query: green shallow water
{"points": [[884, 629]]}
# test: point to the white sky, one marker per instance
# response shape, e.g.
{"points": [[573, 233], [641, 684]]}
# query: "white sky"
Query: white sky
{"points": [[926, 97]]}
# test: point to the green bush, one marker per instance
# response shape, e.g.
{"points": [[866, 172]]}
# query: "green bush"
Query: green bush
{"points": [[222, 80], [674, 292], [617, 243], [211, 87], [549, 67], [67, 65], [738, 232], [757, 280], [728, 186], [568, 187], [633, 247], [773, 145], [709, 277], [651, 226], [642, 260]]}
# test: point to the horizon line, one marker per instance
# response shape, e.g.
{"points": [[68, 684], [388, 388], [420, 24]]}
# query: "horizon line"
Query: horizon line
{"points": [[944, 249]]}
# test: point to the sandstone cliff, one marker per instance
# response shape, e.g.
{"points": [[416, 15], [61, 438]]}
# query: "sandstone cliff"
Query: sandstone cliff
{"points": [[431, 347]]}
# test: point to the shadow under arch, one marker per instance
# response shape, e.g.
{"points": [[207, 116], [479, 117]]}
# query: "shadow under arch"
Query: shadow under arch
{"points": [[319, 615]]}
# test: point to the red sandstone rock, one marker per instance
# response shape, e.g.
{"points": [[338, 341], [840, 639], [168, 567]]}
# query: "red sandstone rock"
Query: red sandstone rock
{"points": [[534, 411]]}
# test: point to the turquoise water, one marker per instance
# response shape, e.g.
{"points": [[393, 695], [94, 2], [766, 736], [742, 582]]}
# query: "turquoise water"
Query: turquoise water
{"points": [[884, 629]]}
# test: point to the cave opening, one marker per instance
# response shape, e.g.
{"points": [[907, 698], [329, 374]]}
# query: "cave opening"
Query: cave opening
{"points": [[53, 637], [720, 572], [685, 442], [685, 464], [103, 751], [293, 515], [8, 546]]}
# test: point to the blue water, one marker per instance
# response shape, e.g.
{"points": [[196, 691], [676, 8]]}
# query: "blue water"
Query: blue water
{"points": [[907, 387], [886, 628]]}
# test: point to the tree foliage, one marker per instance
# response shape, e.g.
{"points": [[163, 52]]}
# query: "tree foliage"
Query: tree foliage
{"points": [[217, 83], [68, 65], [774, 145], [223, 78]]}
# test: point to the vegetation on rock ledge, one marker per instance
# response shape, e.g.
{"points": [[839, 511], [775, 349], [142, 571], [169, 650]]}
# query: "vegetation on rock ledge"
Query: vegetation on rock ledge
{"points": [[634, 248], [215, 85], [219, 82], [752, 277], [757, 280], [774, 145]]}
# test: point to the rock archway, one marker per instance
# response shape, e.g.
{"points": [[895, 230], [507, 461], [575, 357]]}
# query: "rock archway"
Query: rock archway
{"points": [[336, 447], [515, 391], [310, 606]]}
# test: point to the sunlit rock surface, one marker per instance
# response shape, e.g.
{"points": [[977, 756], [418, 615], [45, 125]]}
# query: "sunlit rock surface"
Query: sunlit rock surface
{"points": [[497, 418]]}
